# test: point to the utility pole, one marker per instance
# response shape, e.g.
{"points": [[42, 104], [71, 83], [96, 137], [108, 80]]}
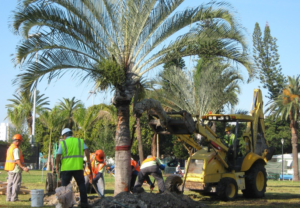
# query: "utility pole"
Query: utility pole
{"points": [[34, 94], [93, 92], [282, 142]]}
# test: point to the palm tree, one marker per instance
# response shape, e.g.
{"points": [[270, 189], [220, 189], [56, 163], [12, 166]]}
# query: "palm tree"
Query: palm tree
{"points": [[53, 121], [15, 117], [115, 43], [85, 118], [286, 106], [20, 108], [198, 92], [67, 108]]}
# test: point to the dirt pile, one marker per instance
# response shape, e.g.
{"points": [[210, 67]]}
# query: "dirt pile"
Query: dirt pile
{"points": [[148, 200]]}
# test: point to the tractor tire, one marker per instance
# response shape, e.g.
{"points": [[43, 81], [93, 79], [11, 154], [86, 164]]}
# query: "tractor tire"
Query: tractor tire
{"points": [[49, 183], [255, 181], [172, 183], [227, 189]]}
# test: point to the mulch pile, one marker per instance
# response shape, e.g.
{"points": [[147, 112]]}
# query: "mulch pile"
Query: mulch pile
{"points": [[148, 200]]}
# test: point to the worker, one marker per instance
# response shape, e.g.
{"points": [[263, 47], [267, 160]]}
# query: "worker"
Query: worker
{"points": [[97, 170], [14, 164], [135, 169], [70, 155], [229, 137], [151, 166]]}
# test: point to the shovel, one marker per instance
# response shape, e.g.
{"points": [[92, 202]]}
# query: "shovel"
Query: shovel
{"points": [[151, 189]]}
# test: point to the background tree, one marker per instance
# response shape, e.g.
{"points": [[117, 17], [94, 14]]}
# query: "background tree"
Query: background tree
{"points": [[102, 133], [178, 63], [20, 108], [67, 108], [198, 92], [277, 129], [53, 120], [85, 118], [266, 58], [117, 43], [286, 106]]}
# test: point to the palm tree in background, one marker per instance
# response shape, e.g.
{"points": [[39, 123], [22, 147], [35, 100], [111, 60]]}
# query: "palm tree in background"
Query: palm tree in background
{"points": [[84, 118], [115, 43], [53, 121], [199, 91], [20, 108], [68, 108], [286, 106]]}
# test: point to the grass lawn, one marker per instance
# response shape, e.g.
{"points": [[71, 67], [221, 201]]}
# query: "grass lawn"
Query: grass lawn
{"points": [[279, 193]]}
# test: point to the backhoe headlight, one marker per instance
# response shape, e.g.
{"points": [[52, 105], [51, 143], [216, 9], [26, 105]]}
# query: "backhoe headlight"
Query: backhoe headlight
{"points": [[214, 117], [221, 118], [210, 118]]}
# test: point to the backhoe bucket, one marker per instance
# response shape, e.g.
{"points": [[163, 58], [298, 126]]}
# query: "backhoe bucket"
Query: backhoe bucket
{"points": [[178, 123]]}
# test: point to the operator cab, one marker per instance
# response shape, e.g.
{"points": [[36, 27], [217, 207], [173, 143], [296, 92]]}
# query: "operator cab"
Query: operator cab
{"points": [[238, 124]]}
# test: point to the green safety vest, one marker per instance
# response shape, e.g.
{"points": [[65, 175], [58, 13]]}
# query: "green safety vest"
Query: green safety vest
{"points": [[229, 141], [72, 156]]}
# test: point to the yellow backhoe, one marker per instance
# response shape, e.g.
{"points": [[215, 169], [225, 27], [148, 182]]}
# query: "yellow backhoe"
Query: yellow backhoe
{"points": [[216, 168]]}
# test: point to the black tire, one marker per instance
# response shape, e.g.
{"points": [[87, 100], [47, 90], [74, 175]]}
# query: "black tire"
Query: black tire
{"points": [[227, 189], [255, 181], [172, 183], [49, 183]]}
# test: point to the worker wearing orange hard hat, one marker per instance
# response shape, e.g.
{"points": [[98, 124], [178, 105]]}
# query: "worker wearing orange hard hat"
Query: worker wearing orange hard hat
{"points": [[97, 169], [14, 164]]}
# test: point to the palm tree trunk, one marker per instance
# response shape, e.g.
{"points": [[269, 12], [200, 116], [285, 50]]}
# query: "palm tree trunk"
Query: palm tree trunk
{"points": [[139, 138], [29, 123], [122, 149], [293, 127], [49, 153], [153, 145]]}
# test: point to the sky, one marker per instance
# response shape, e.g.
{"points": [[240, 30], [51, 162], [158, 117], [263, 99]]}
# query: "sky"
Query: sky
{"points": [[281, 16]]}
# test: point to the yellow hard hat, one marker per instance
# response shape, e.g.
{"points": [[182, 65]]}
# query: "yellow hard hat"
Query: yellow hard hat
{"points": [[228, 128]]}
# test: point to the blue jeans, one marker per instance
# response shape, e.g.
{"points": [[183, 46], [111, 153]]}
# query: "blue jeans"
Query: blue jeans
{"points": [[100, 185]]}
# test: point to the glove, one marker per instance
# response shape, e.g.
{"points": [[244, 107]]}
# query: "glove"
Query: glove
{"points": [[162, 166]]}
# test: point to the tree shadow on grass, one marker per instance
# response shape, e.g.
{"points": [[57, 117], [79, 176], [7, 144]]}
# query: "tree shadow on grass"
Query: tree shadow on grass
{"points": [[270, 200]]}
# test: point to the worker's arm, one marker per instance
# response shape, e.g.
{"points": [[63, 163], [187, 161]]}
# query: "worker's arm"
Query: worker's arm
{"points": [[160, 164], [58, 156], [18, 162], [16, 153]]}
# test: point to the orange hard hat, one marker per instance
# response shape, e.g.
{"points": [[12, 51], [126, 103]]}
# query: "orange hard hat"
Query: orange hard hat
{"points": [[99, 155], [18, 137]]}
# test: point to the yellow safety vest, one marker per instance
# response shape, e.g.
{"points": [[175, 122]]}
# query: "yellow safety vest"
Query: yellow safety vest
{"points": [[72, 156], [10, 161]]}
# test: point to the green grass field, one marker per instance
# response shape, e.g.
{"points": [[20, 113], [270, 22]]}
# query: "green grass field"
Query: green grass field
{"points": [[279, 193]]}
